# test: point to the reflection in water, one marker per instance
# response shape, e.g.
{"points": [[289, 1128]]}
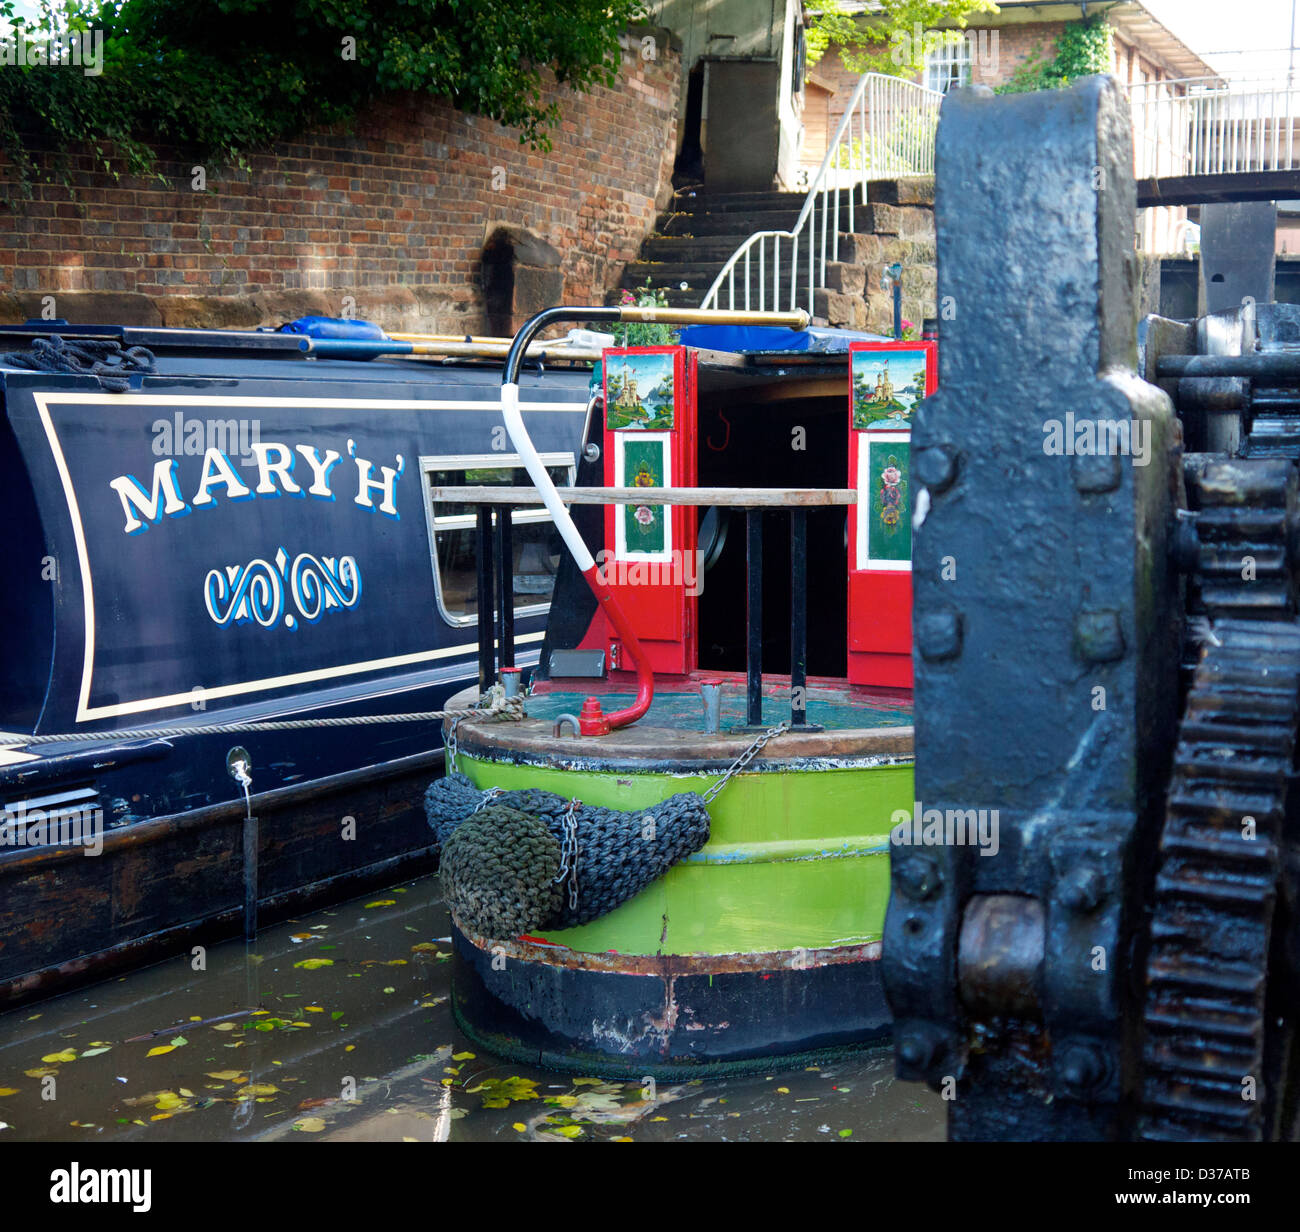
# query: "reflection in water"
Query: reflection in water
{"points": [[337, 1026]]}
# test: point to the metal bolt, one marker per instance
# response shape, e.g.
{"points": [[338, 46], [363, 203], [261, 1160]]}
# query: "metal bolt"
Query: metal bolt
{"points": [[936, 467], [1098, 636], [939, 634], [918, 877], [1082, 889], [1082, 1067], [916, 1050], [1098, 472]]}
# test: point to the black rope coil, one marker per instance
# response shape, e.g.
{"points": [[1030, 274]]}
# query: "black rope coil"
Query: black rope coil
{"points": [[619, 853], [102, 359]]}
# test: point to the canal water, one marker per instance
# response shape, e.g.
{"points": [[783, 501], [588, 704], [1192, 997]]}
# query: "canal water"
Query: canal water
{"points": [[351, 1038]]}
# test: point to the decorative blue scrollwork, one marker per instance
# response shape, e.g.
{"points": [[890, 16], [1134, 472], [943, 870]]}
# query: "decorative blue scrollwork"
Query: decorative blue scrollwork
{"points": [[258, 591]]}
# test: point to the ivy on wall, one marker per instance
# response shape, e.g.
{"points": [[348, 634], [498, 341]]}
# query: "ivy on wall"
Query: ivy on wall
{"points": [[219, 78], [1082, 48]]}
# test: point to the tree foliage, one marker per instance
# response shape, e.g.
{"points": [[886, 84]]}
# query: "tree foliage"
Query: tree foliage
{"points": [[894, 40], [1082, 48], [222, 77]]}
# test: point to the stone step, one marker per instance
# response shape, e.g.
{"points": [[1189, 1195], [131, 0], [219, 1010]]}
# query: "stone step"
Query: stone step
{"points": [[696, 201], [669, 274], [731, 227]]}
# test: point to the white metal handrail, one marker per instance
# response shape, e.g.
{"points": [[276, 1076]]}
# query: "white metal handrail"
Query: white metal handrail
{"points": [[887, 130], [1206, 126]]}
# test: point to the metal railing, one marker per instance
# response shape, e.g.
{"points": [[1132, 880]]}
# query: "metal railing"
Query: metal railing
{"points": [[1206, 126], [887, 130]]}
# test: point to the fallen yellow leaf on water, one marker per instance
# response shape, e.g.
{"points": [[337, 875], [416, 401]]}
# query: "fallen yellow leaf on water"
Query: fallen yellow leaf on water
{"points": [[195, 1018], [519, 1126], [227, 1075], [224, 1026], [314, 1009], [382, 902], [620, 1139], [157, 1052], [66, 1055], [255, 1013], [167, 1100], [462, 1056], [658, 1118], [300, 1024], [161, 1116], [310, 964], [309, 1125], [258, 1088], [42, 1072], [301, 937], [94, 1052], [349, 1048], [425, 947], [783, 1090], [8, 1091], [187, 1094]]}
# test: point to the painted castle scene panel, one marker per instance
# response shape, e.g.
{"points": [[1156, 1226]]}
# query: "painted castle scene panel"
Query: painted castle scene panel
{"points": [[887, 385], [639, 392]]}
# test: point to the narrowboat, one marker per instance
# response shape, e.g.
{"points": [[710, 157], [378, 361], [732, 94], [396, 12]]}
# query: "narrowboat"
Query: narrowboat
{"points": [[222, 531], [730, 632]]}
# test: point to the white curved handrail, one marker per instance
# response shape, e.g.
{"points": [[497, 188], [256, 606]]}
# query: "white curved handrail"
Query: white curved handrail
{"points": [[880, 111]]}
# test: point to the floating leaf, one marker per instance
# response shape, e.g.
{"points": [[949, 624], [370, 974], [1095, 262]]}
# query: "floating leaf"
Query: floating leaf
{"points": [[258, 1088], [8, 1091], [314, 1009], [501, 1092], [168, 1100], [382, 902], [462, 1056], [846, 1133], [336, 1014], [224, 1026], [228, 1075], [94, 1052], [621, 1139], [66, 1055], [311, 964], [783, 1090], [161, 1116], [566, 1131], [425, 947], [179, 1042], [519, 1127], [42, 1072], [299, 938], [162, 1048], [309, 1125]]}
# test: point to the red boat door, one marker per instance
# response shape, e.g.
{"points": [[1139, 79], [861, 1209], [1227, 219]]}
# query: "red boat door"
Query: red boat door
{"points": [[649, 556], [886, 381]]}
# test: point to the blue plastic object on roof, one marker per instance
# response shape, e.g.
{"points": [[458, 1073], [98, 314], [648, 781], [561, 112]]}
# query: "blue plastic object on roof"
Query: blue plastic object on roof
{"points": [[335, 327], [768, 339]]}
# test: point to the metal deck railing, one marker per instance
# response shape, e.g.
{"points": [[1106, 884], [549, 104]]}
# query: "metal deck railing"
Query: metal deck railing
{"points": [[887, 130], [495, 587], [1206, 126]]}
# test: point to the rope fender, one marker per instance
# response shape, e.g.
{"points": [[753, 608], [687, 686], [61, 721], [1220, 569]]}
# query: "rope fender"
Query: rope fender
{"points": [[497, 872]]}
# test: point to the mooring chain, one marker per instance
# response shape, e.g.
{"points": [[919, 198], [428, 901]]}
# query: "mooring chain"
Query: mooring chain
{"points": [[744, 759], [488, 796], [569, 852]]}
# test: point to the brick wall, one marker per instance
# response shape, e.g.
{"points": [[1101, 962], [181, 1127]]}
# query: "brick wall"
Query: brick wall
{"points": [[394, 214]]}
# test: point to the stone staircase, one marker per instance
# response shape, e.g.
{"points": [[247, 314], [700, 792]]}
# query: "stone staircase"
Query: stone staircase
{"points": [[696, 236]]}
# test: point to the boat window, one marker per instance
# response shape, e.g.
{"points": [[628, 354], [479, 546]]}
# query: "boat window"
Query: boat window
{"points": [[536, 545]]}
